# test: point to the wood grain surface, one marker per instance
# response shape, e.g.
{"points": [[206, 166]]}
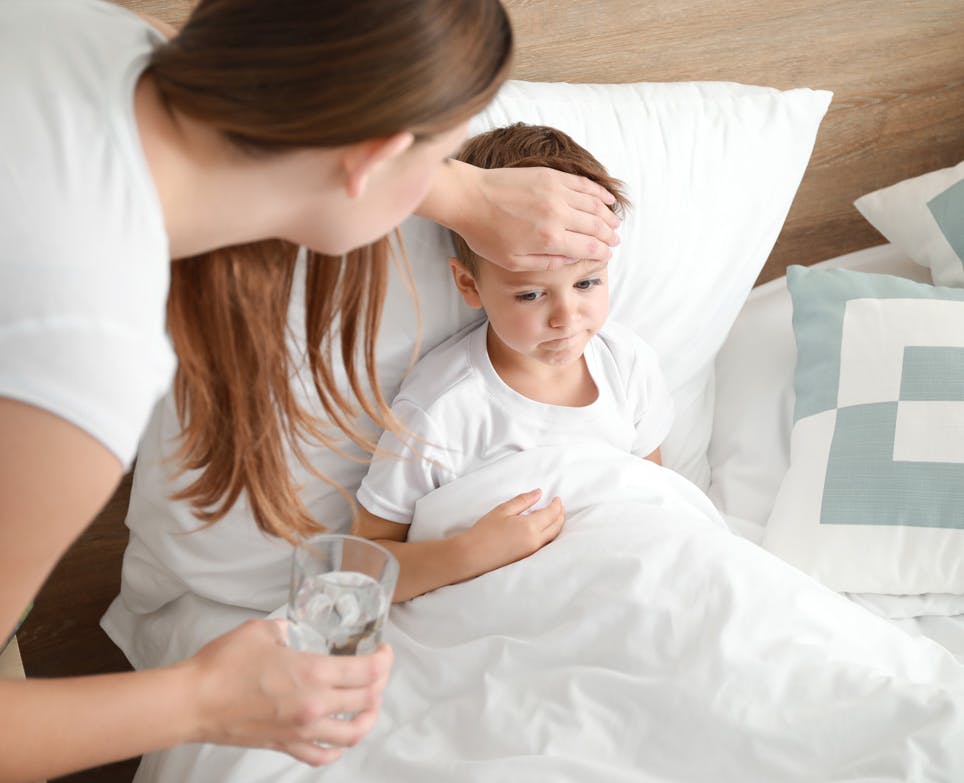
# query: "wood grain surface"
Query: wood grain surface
{"points": [[897, 74]]}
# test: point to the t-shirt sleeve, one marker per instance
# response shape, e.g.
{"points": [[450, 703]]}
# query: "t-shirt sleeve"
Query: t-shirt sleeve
{"points": [[98, 376], [405, 467], [653, 408]]}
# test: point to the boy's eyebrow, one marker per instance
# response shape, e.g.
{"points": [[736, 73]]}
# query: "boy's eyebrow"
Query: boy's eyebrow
{"points": [[594, 266], [520, 280]]}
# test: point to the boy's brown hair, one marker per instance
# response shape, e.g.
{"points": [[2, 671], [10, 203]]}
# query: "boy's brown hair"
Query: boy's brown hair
{"points": [[520, 146]]}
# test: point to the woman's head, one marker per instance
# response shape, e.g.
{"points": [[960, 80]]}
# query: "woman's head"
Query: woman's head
{"points": [[289, 76]]}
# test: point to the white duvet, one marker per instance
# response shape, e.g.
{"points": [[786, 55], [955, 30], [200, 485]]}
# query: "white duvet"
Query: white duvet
{"points": [[646, 643]]}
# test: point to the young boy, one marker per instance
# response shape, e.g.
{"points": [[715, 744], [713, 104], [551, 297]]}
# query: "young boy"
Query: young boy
{"points": [[543, 369]]}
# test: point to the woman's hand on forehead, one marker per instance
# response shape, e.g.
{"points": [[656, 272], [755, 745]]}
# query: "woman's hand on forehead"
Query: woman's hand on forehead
{"points": [[528, 218]]}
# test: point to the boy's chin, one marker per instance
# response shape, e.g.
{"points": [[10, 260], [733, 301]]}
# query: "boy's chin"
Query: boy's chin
{"points": [[561, 358]]}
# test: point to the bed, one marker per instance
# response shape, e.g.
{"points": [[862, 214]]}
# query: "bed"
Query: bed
{"points": [[890, 119]]}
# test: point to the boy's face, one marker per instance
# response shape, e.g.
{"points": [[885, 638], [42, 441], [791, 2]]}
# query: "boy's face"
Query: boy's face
{"points": [[543, 316]]}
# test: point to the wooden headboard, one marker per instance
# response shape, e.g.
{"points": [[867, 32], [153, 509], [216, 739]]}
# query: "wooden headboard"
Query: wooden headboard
{"points": [[898, 110]]}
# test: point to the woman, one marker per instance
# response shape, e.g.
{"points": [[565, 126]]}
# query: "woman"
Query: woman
{"points": [[257, 128]]}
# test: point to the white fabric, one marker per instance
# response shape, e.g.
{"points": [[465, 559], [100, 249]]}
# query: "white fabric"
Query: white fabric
{"points": [[900, 212], [929, 432], [711, 169], [84, 261], [460, 416], [869, 353], [660, 647]]}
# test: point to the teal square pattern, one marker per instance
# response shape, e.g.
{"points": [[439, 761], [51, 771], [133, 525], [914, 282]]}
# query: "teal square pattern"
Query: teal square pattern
{"points": [[948, 211], [820, 299], [865, 485]]}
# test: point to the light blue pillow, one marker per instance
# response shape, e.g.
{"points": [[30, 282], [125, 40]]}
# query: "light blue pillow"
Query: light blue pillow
{"points": [[924, 217], [874, 498]]}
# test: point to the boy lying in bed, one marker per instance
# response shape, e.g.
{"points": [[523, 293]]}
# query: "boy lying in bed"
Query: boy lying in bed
{"points": [[544, 369]]}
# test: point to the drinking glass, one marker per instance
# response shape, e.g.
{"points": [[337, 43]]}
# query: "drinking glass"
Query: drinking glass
{"points": [[341, 591]]}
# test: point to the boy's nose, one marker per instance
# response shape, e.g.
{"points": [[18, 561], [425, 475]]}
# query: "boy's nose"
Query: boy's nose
{"points": [[564, 312]]}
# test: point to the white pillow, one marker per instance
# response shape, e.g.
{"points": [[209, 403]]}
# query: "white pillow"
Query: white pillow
{"points": [[924, 217], [711, 169], [873, 501]]}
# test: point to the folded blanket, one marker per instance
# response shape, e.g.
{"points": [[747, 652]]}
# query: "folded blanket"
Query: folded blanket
{"points": [[646, 643]]}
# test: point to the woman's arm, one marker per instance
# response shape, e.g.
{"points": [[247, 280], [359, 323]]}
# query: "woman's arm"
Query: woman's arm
{"points": [[523, 218], [502, 536], [244, 688]]}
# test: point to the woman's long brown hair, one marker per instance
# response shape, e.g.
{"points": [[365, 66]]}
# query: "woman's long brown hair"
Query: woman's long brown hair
{"points": [[276, 75]]}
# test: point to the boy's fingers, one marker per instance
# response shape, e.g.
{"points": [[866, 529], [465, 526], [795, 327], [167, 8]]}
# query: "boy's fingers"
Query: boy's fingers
{"points": [[520, 503], [546, 517], [556, 515]]}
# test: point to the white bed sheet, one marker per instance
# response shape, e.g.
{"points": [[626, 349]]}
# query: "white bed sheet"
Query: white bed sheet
{"points": [[750, 443], [645, 632], [748, 455]]}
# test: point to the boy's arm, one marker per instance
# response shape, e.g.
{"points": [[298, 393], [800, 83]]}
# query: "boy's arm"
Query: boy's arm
{"points": [[655, 457], [423, 565], [502, 536]]}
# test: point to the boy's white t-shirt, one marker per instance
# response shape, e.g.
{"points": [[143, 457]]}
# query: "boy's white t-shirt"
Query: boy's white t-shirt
{"points": [[462, 415], [84, 261]]}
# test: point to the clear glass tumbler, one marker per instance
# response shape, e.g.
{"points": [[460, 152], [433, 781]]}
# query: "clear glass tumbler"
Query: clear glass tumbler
{"points": [[341, 591]]}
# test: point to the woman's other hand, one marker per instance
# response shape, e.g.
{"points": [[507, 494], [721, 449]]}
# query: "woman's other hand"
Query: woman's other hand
{"points": [[254, 691], [524, 218]]}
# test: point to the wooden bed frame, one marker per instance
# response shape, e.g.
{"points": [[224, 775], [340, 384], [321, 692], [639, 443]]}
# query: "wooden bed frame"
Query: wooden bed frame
{"points": [[898, 111]]}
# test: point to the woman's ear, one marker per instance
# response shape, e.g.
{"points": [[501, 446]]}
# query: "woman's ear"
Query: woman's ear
{"points": [[362, 158], [466, 284]]}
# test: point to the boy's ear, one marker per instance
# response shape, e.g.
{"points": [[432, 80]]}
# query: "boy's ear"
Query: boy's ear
{"points": [[466, 284], [362, 158]]}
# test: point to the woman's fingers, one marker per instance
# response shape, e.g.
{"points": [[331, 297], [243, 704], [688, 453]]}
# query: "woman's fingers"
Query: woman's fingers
{"points": [[343, 733], [309, 753], [590, 188], [351, 671], [591, 225], [586, 204]]}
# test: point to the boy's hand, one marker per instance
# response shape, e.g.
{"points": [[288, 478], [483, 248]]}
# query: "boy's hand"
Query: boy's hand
{"points": [[507, 534]]}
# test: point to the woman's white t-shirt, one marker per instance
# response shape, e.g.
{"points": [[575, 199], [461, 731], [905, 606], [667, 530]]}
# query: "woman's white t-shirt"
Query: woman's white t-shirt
{"points": [[84, 262], [461, 415]]}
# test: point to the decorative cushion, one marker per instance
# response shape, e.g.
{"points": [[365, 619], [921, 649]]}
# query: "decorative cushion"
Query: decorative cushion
{"points": [[924, 216], [874, 497]]}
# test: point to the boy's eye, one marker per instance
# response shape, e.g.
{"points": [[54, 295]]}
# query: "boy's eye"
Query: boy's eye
{"points": [[528, 296], [585, 285]]}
